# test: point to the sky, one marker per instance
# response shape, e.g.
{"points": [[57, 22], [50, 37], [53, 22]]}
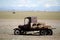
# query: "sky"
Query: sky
{"points": [[30, 5]]}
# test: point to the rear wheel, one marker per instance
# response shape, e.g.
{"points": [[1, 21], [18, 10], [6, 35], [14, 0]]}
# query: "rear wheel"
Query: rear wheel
{"points": [[50, 32], [43, 32]]}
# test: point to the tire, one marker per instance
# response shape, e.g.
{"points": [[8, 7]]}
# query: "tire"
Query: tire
{"points": [[16, 32], [50, 32], [43, 32]]}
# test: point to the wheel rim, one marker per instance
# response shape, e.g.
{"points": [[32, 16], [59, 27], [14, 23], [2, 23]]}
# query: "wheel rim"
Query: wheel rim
{"points": [[17, 32]]}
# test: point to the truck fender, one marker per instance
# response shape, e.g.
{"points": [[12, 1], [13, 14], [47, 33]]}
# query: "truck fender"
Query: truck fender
{"points": [[17, 29]]}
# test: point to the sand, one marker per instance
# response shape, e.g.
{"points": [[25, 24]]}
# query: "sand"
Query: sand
{"points": [[7, 26]]}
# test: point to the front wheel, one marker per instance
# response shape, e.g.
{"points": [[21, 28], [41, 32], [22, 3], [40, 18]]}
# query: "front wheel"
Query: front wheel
{"points": [[16, 32]]}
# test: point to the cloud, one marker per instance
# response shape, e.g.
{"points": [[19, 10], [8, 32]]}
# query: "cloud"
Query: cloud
{"points": [[26, 3], [49, 5], [55, 4], [30, 4], [36, 3], [52, 3]]}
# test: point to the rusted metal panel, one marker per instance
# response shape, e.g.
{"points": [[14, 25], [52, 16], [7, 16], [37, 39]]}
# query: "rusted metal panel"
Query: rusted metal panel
{"points": [[34, 19]]}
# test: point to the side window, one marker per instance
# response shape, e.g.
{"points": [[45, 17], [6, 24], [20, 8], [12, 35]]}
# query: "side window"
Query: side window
{"points": [[26, 21]]}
